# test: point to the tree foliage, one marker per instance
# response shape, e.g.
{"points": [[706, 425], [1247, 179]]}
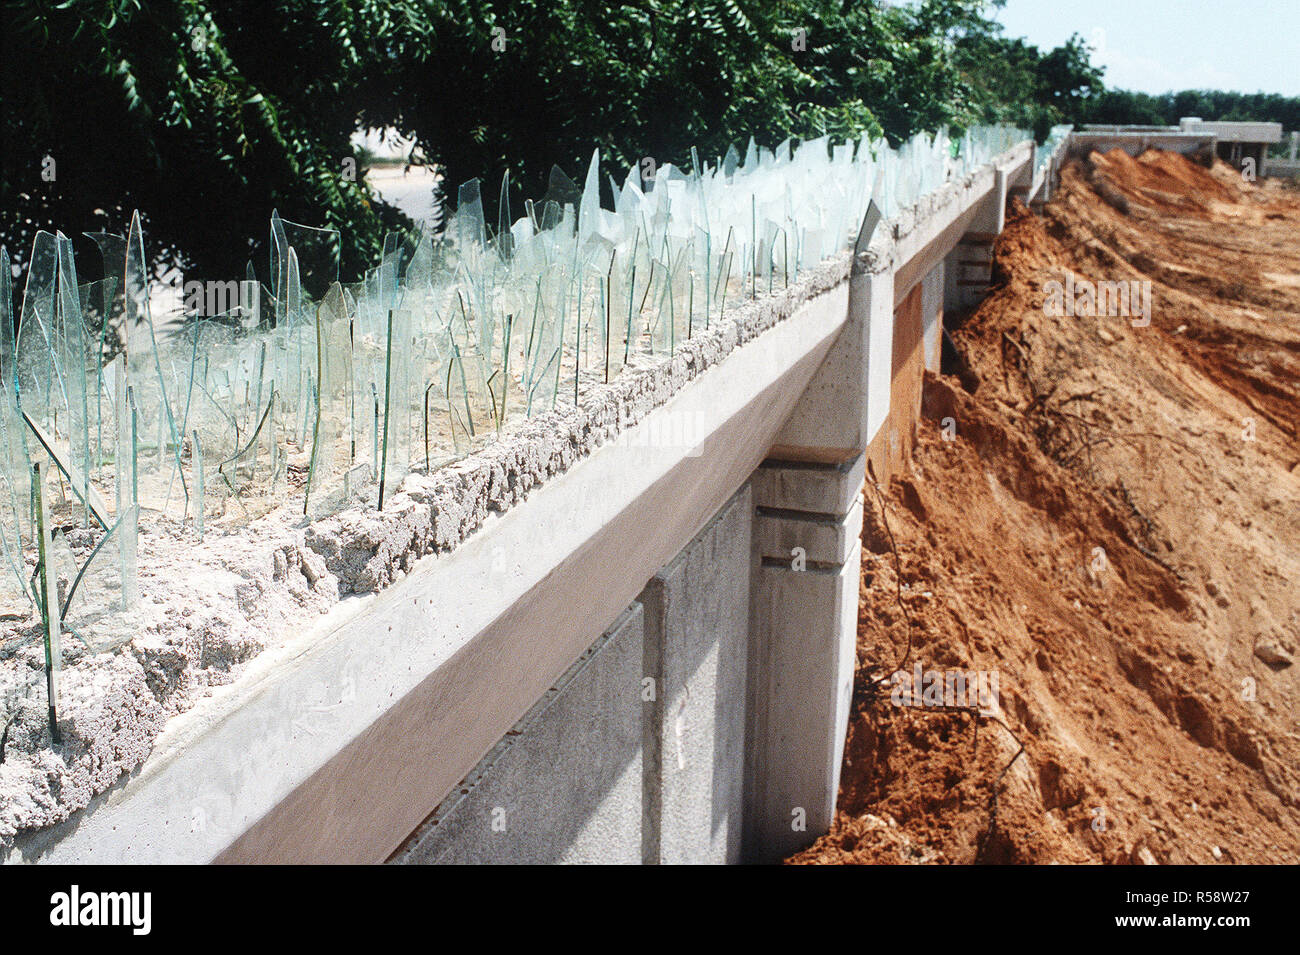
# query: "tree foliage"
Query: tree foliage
{"points": [[1016, 83], [208, 114]]}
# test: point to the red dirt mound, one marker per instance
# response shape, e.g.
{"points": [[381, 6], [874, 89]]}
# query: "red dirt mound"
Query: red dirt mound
{"points": [[1110, 524]]}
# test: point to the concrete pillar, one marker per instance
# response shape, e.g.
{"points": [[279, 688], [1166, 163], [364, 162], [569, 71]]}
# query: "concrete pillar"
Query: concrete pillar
{"points": [[803, 634], [803, 622], [696, 647], [968, 270], [992, 214], [932, 296], [968, 266], [1020, 180]]}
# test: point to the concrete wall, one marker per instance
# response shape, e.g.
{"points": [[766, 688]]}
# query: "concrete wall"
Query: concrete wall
{"points": [[1199, 145], [1247, 132], [968, 271], [696, 652], [932, 301], [578, 749], [1282, 168], [748, 641], [637, 753], [413, 720]]}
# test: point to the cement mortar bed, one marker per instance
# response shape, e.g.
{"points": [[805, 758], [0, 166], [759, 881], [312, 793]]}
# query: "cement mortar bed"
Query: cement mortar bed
{"points": [[207, 609]]}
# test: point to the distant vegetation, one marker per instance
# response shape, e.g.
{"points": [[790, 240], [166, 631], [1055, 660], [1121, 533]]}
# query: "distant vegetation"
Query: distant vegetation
{"points": [[206, 114], [1166, 109]]}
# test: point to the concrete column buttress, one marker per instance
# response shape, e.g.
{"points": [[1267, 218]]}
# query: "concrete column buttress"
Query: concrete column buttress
{"points": [[803, 632], [806, 560]]}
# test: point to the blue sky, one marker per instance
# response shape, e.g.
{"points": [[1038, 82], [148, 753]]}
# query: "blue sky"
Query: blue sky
{"points": [[1158, 45]]}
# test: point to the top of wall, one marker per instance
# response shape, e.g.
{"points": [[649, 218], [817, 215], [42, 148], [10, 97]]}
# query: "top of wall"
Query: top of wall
{"points": [[1234, 132], [1192, 126]]}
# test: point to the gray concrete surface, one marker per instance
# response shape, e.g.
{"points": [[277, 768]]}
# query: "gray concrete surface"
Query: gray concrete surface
{"points": [[803, 635], [564, 785], [697, 635], [932, 302]]}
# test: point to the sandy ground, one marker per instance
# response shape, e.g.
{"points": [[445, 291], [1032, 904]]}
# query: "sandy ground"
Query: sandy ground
{"points": [[1114, 530]]}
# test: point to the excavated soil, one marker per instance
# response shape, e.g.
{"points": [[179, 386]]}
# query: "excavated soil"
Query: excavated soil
{"points": [[1110, 522]]}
